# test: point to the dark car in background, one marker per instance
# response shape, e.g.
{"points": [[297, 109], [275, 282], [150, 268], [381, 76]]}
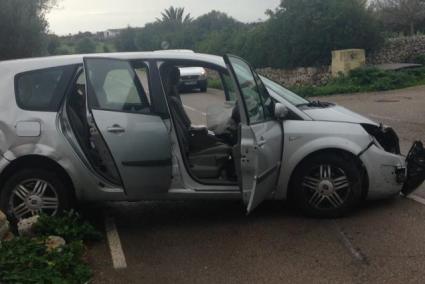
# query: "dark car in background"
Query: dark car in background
{"points": [[193, 78]]}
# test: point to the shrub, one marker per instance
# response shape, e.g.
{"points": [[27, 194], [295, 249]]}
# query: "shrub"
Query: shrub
{"points": [[420, 59], [215, 84], [366, 80], [25, 260], [69, 226]]}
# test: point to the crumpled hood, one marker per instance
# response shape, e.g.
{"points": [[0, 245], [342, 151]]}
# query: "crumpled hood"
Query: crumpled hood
{"points": [[337, 114]]}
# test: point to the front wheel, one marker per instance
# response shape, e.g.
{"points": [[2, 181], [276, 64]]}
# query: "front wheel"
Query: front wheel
{"points": [[203, 87], [327, 185], [32, 192]]}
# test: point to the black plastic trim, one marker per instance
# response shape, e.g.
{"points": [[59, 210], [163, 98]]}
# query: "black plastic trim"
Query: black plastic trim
{"points": [[152, 163]]}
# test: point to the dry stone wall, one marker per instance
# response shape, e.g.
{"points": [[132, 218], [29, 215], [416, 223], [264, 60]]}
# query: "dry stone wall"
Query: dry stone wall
{"points": [[298, 76], [399, 50]]}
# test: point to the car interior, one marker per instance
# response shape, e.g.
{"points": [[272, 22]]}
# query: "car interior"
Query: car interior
{"points": [[208, 153], [88, 137], [207, 150]]}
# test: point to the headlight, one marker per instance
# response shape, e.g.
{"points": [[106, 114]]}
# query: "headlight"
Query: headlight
{"points": [[203, 75], [384, 137]]}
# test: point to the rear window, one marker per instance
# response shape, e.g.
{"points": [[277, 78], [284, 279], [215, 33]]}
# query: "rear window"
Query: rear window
{"points": [[44, 89]]}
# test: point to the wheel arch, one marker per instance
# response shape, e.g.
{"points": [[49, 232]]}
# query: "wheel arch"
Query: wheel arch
{"points": [[355, 158], [40, 162]]}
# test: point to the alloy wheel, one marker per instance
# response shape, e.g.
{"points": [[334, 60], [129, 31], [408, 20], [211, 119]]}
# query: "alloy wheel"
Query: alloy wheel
{"points": [[326, 187], [33, 197]]}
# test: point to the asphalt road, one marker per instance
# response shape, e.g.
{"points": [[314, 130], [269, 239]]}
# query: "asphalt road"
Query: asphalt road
{"points": [[215, 242]]}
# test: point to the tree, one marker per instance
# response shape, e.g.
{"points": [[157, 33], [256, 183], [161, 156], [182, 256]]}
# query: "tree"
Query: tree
{"points": [[174, 16], [304, 32], [53, 44], [404, 15], [23, 28], [126, 41], [85, 45]]}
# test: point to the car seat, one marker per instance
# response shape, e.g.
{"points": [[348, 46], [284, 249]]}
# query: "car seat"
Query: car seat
{"points": [[207, 155]]}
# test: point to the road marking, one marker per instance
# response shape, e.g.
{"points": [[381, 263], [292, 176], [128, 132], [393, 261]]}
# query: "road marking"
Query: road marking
{"points": [[117, 253], [355, 253], [416, 198], [195, 110]]}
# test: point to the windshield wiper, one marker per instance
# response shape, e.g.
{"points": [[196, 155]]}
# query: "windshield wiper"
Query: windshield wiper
{"points": [[318, 104]]}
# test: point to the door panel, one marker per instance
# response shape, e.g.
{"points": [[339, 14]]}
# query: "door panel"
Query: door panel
{"points": [[268, 137], [140, 146], [137, 139], [261, 136]]}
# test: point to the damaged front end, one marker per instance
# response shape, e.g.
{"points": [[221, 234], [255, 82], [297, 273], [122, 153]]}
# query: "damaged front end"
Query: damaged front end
{"points": [[415, 168], [413, 175], [385, 137]]}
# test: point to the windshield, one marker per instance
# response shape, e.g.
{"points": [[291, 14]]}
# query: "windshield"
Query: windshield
{"points": [[284, 93]]}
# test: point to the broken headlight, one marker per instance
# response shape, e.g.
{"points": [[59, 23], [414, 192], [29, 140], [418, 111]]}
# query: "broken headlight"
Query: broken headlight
{"points": [[385, 136]]}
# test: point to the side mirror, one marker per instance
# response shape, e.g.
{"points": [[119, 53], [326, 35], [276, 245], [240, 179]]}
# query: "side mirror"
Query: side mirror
{"points": [[280, 111]]}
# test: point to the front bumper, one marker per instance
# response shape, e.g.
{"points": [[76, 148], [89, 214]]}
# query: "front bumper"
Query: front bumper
{"points": [[415, 174], [386, 172], [196, 83], [389, 174]]}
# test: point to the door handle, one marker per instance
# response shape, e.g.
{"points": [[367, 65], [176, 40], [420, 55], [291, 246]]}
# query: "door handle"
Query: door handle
{"points": [[116, 129], [262, 142]]}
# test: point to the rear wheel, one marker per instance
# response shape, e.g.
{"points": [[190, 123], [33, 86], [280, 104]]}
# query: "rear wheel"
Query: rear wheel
{"points": [[327, 185], [31, 192]]}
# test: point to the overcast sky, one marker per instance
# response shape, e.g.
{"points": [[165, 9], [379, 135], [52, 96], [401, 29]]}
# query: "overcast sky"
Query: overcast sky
{"points": [[73, 16]]}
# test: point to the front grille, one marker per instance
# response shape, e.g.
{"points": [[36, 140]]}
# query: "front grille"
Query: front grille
{"points": [[189, 78]]}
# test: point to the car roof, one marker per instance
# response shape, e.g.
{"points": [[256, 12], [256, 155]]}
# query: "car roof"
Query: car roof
{"points": [[22, 65]]}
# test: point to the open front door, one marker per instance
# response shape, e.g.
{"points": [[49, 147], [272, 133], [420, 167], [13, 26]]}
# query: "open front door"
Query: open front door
{"points": [[121, 115], [260, 135]]}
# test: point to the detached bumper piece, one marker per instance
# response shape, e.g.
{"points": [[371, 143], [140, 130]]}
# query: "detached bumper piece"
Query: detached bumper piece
{"points": [[415, 168]]}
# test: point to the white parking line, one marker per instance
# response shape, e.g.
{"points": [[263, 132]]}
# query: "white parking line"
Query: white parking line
{"points": [[346, 242], [195, 110], [416, 198], [117, 253]]}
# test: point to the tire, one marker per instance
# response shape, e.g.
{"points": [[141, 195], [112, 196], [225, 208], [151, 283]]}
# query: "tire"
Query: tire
{"points": [[320, 194], [40, 191], [203, 86]]}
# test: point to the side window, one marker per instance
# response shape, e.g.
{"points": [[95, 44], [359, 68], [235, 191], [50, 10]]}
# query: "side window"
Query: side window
{"points": [[250, 91], [143, 73], [114, 85], [265, 97], [42, 90], [230, 86]]}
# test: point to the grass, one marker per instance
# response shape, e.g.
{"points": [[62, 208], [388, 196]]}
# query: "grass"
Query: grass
{"points": [[365, 80]]}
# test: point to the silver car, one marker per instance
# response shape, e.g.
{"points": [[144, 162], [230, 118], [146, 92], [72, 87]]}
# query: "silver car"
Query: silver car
{"points": [[113, 127]]}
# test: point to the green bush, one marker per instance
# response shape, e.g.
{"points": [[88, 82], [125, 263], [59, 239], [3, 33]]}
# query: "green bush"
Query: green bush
{"points": [[215, 84], [365, 80], [420, 59], [69, 226], [25, 260]]}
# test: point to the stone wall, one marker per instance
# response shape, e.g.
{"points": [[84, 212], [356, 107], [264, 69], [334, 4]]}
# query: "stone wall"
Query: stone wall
{"points": [[298, 76], [398, 50]]}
